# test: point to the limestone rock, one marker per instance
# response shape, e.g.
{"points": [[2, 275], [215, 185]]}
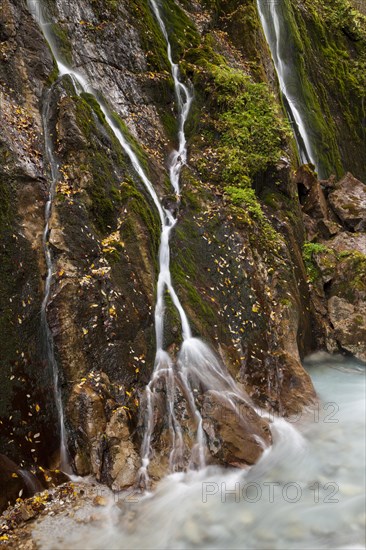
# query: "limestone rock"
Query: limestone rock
{"points": [[105, 235], [328, 228], [236, 435], [125, 464], [311, 195], [349, 322], [124, 460], [86, 411], [348, 241], [339, 280], [349, 203]]}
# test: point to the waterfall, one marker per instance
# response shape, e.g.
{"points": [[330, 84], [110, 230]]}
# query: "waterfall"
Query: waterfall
{"points": [[197, 366], [272, 17], [306, 491]]}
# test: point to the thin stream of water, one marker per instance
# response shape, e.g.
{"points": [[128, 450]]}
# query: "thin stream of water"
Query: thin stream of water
{"points": [[65, 465], [272, 17]]}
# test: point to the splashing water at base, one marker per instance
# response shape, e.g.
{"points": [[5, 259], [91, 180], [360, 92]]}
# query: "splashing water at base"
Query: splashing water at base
{"points": [[307, 490]]}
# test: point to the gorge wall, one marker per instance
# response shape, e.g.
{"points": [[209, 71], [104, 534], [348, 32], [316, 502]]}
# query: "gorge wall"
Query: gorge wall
{"points": [[242, 236]]}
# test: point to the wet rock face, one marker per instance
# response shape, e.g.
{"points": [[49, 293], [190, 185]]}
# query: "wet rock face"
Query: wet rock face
{"points": [[338, 264], [241, 280], [349, 323], [26, 395], [11, 484], [104, 445]]}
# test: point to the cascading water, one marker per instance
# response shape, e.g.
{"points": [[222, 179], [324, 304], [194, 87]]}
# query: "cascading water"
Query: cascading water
{"points": [[273, 19], [196, 364], [163, 363], [310, 486], [164, 368], [47, 335], [32, 484], [184, 99]]}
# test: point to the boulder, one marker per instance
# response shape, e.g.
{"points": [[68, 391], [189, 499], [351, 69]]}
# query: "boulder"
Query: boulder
{"points": [[11, 484], [349, 203], [328, 228], [315, 204], [311, 194], [236, 434], [338, 285], [347, 241], [124, 460], [86, 414], [349, 322]]}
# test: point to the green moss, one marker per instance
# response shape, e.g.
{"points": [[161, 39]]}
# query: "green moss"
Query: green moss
{"points": [[247, 199], [62, 41], [309, 249], [182, 33], [170, 123], [139, 205], [102, 189], [241, 22], [152, 40], [247, 127], [105, 8], [105, 191], [187, 276], [90, 99], [84, 117], [332, 74], [53, 76], [355, 264], [135, 145], [184, 274]]}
